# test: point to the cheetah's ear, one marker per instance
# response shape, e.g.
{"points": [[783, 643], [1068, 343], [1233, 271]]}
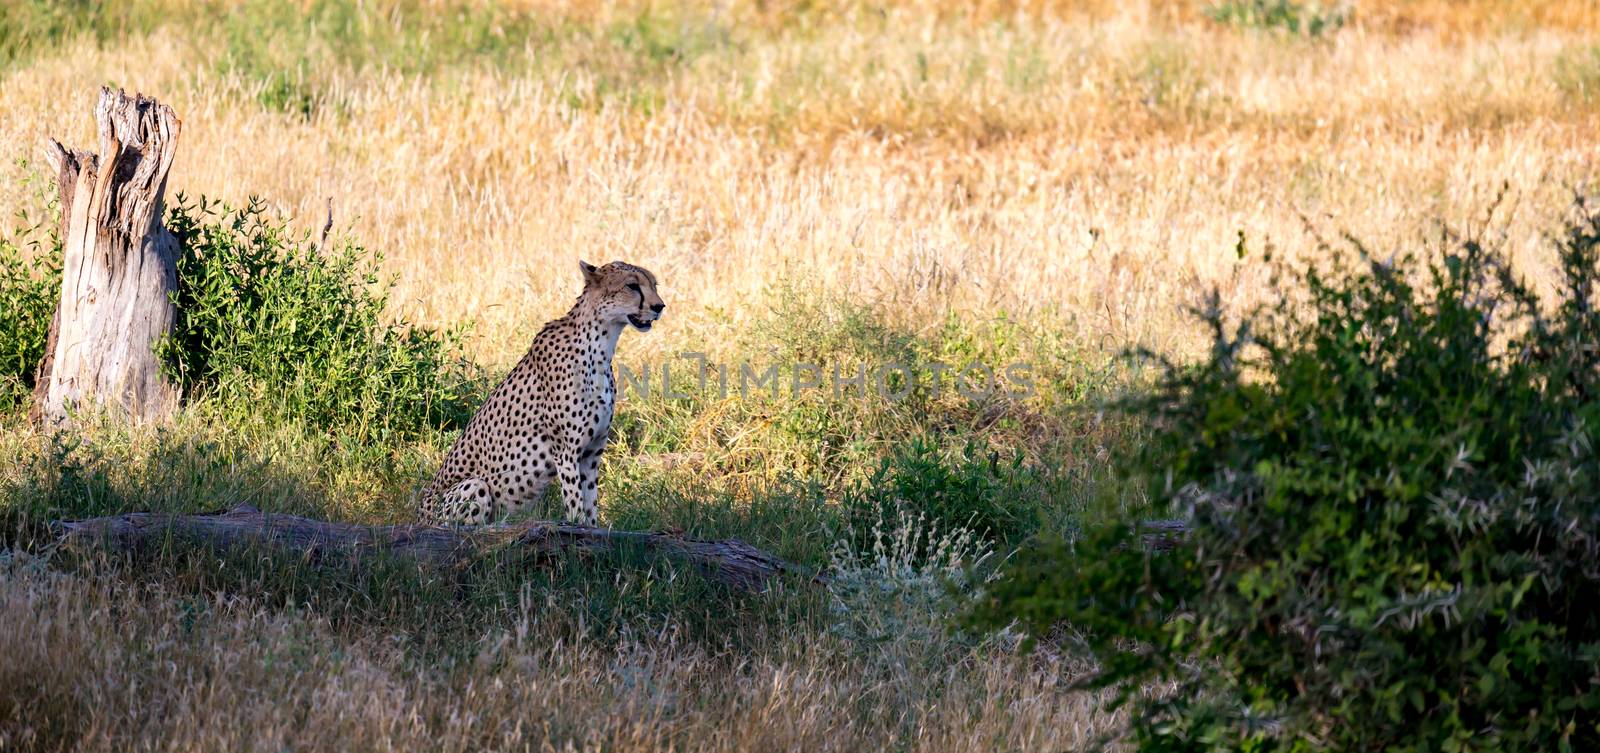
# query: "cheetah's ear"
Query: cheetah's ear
{"points": [[590, 273]]}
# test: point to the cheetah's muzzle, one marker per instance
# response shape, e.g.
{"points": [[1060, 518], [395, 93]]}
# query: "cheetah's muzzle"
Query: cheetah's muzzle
{"points": [[640, 324]]}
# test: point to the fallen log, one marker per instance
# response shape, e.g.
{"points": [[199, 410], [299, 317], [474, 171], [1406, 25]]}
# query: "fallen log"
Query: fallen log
{"points": [[730, 562], [1163, 535]]}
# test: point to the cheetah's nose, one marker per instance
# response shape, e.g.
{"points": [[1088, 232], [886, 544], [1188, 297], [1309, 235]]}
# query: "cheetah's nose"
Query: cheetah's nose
{"points": [[657, 307]]}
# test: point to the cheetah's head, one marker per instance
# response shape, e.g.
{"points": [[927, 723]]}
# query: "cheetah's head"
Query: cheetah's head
{"points": [[622, 292]]}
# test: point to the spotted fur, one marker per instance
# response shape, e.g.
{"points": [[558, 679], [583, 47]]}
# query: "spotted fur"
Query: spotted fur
{"points": [[549, 419]]}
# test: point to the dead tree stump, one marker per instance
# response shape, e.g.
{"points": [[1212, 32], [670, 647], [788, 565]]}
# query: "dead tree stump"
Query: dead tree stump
{"points": [[119, 267]]}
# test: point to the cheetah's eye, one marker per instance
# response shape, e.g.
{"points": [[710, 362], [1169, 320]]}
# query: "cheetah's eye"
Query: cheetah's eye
{"points": [[634, 286]]}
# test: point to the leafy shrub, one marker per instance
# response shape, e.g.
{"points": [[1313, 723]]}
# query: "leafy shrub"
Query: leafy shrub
{"points": [[1307, 19], [1395, 523], [269, 323], [973, 489], [30, 283]]}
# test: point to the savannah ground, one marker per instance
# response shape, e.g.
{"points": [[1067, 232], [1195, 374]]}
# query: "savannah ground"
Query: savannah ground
{"points": [[829, 183]]}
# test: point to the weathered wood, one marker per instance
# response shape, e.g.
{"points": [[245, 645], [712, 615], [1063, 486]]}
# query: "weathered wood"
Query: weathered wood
{"points": [[119, 266], [1163, 535], [731, 562]]}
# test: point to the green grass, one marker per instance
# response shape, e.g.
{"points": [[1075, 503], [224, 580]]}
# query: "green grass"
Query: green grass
{"points": [[1309, 19], [198, 464], [32, 28], [285, 52], [201, 463], [1577, 73], [286, 57], [305, 397]]}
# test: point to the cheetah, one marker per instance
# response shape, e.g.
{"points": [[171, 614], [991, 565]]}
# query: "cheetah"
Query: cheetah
{"points": [[550, 417]]}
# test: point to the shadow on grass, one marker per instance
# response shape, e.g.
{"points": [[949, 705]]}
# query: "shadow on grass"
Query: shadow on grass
{"points": [[597, 596]]}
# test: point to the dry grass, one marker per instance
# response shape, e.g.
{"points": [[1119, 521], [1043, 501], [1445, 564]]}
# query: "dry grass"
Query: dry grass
{"points": [[179, 650], [86, 672], [1084, 166], [1090, 173]]}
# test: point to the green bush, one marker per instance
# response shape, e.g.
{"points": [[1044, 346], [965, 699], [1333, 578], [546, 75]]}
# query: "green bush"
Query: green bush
{"points": [[29, 285], [1000, 500], [1392, 492], [270, 324]]}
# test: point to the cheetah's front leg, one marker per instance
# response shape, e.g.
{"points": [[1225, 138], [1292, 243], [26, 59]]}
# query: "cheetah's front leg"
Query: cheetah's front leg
{"points": [[588, 483], [580, 507]]}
